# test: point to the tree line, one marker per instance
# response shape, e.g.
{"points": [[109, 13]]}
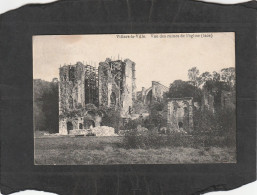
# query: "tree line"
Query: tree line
{"points": [[45, 105]]}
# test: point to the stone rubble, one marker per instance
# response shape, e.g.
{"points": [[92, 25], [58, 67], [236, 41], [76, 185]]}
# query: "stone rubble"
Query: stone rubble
{"points": [[104, 131]]}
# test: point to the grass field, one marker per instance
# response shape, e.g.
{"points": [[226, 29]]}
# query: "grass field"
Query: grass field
{"points": [[107, 150]]}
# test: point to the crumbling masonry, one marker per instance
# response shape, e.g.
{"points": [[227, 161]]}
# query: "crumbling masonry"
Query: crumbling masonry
{"points": [[117, 85], [111, 85], [155, 92], [180, 113]]}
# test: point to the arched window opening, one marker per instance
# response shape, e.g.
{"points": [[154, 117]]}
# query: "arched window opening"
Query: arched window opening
{"points": [[113, 99], [180, 125]]}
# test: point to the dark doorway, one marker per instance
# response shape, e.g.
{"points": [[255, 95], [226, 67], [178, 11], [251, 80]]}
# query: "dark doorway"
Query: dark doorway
{"points": [[180, 124], [80, 126], [69, 126]]}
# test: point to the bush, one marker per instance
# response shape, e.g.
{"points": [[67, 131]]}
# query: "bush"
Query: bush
{"points": [[151, 139], [132, 124], [111, 118], [222, 121], [221, 124], [147, 139]]}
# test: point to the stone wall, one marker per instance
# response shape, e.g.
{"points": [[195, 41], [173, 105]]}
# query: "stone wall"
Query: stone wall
{"points": [[228, 99], [207, 101], [180, 114], [129, 86], [71, 124], [117, 85], [113, 84], [155, 92], [78, 85], [75, 83]]}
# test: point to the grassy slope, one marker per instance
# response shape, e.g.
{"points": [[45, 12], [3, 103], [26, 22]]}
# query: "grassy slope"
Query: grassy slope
{"points": [[104, 150]]}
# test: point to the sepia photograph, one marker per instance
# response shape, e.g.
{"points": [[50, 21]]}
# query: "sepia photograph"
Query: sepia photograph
{"points": [[107, 99]]}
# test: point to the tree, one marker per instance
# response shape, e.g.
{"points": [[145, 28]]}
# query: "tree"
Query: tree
{"points": [[206, 76], [215, 76], [228, 76], [193, 75], [180, 89], [111, 117]]}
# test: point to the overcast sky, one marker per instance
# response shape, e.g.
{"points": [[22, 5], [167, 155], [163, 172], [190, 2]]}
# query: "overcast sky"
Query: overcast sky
{"points": [[158, 59]]}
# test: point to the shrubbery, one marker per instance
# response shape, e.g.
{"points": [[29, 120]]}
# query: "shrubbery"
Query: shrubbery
{"points": [[111, 118], [152, 139], [146, 139], [210, 129], [221, 124]]}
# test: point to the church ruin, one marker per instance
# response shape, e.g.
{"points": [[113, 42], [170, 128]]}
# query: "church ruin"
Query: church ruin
{"points": [[112, 84], [154, 93], [180, 113], [117, 85]]}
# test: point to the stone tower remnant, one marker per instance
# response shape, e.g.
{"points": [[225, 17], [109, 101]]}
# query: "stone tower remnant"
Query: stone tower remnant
{"points": [[112, 85]]}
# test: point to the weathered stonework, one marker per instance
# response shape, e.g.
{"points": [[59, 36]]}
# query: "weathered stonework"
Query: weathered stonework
{"points": [[207, 101], [117, 85], [80, 85], [180, 114], [228, 99], [155, 92], [225, 99], [69, 124]]}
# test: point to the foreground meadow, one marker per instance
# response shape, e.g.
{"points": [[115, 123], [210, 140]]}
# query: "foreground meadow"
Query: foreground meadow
{"points": [[50, 150]]}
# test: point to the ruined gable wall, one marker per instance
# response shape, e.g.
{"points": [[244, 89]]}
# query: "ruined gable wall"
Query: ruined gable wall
{"points": [[180, 110], [108, 82], [207, 101], [71, 93], [71, 86], [228, 99], [158, 90]]}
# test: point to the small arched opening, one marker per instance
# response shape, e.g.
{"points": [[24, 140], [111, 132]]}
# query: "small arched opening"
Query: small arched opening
{"points": [[113, 99], [69, 126], [180, 125]]}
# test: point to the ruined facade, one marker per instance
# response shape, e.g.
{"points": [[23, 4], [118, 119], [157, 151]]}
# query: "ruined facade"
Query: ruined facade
{"points": [[207, 101], [228, 99], [111, 85], [180, 113], [117, 85], [222, 100], [78, 86], [155, 92]]}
